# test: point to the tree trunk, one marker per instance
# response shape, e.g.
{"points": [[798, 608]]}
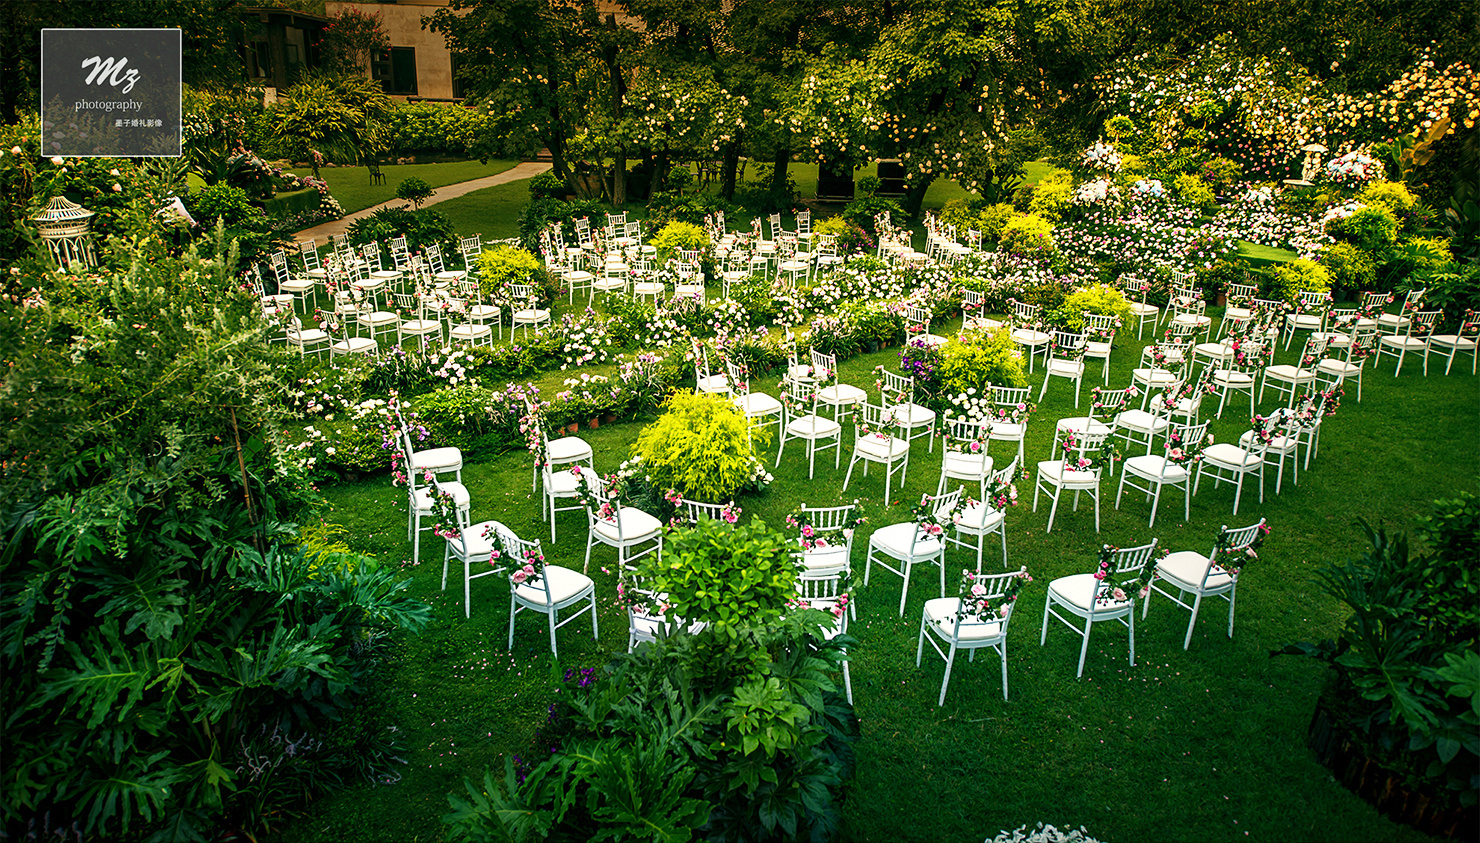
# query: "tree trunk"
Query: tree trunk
{"points": [[778, 171], [731, 162], [914, 196], [619, 90], [660, 173]]}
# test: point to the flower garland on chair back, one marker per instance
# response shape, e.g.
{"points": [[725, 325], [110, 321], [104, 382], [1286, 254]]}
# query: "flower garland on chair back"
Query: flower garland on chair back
{"points": [[813, 538], [521, 569], [976, 605], [1108, 592], [1107, 454]]}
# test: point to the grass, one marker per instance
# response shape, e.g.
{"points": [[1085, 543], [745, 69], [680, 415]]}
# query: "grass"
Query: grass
{"points": [[1257, 254], [1202, 744], [352, 187]]}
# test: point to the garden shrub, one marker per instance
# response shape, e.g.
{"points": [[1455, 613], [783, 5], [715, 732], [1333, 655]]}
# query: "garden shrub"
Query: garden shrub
{"points": [[874, 321], [222, 202], [981, 216], [1351, 269], [1220, 173], [724, 575], [1452, 288], [699, 446], [426, 128], [1028, 235], [1392, 195], [504, 265], [980, 359], [1403, 668], [1192, 190], [669, 206], [1372, 229], [680, 235], [992, 220], [1101, 299], [422, 228], [414, 190], [547, 185], [1299, 276], [459, 417], [1053, 196], [851, 240], [862, 211], [688, 737]]}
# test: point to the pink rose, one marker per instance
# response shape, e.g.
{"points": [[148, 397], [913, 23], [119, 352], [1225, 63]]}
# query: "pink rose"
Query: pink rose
{"points": [[977, 590], [1118, 594], [519, 577]]}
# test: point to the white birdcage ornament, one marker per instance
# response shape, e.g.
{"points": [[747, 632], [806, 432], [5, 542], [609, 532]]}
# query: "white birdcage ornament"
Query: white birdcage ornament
{"points": [[67, 229]]}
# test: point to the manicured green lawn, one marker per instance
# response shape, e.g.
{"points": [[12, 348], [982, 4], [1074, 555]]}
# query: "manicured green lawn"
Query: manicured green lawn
{"points": [[352, 187], [1205, 744]]}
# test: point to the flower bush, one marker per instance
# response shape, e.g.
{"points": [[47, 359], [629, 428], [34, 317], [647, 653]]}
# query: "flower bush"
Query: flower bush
{"points": [[979, 359]]}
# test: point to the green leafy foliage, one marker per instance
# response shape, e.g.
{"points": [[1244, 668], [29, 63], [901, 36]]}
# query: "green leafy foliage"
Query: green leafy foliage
{"points": [[1297, 276], [422, 228], [1351, 269], [1372, 229], [414, 190], [1029, 235], [699, 446], [1404, 668], [1192, 190], [980, 359], [678, 235], [671, 743], [725, 576], [1052, 196], [222, 202], [165, 644], [1101, 299]]}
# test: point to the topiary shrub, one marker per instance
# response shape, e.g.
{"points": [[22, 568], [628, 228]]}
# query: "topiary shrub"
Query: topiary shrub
{"points": [[415, 191], [1373, 229], [1192, 190], [676, 236], [1297, 276], [980, 359], [699, 446], [1028, 235], [1351, 268]]}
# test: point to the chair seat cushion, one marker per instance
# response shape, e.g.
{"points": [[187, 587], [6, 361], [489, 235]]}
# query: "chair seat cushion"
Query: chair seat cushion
{"points": [[568, 449], [469, 332], [437, 459], [1078, 592], [531, 314], [477, 543], [561, 484], [979, 518], [879, 449], [564, 586], [1277, 443], [833, 556], [1338, 367], [1053, 471], [1153, 466], [647, 288], [1153, 377], [1141, 421], [1286, 372], [1007, 432], [841, 395], [1066, 368], [960, 464], [636, 525], [1455, 340], [713, 383], [912, 415], [1140, 309], [1304, 321], [1231, 455], [940, 615], [1097, 349], [1081, 424], [1186, 568], [814, 427], [758, 404], [1025, 336], [420, 326], [308, 335], [1405, 343], [1232, 378], [377, 318], [459, 492], [1193, 319], [895, 540], [480, 312], [355, 345]]}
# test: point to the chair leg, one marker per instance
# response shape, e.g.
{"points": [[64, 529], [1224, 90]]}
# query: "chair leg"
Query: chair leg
{"points": [[550, 622], [1232, 596], [1084, 647], [467, 587], [1196, 604], [1043, 633], [1003, 650], [512, 610], [920, 644], [905, 591], [1133, 635], [946, 681]]}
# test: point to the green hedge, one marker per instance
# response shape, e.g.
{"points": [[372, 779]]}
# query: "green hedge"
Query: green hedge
{"points": [[292, 202]]}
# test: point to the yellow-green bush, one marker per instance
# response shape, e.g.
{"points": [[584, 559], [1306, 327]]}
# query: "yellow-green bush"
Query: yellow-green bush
{"points": [[1351, 268], [505, 264], [1373, 229], [677, 236], [1393, 195], [699, 446], [988, 219], [1192, 190], [1052, 195], [1297, 276], [1029, 235], [979, 359], [1102, 299]]}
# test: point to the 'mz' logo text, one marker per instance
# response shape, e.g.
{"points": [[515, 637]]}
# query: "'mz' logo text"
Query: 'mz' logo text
{"points": [[111, 71]]}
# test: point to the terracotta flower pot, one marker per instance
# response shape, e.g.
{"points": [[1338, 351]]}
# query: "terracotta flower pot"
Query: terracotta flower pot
{"points": [[608, 418], [573, 428], [593, 423]]}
